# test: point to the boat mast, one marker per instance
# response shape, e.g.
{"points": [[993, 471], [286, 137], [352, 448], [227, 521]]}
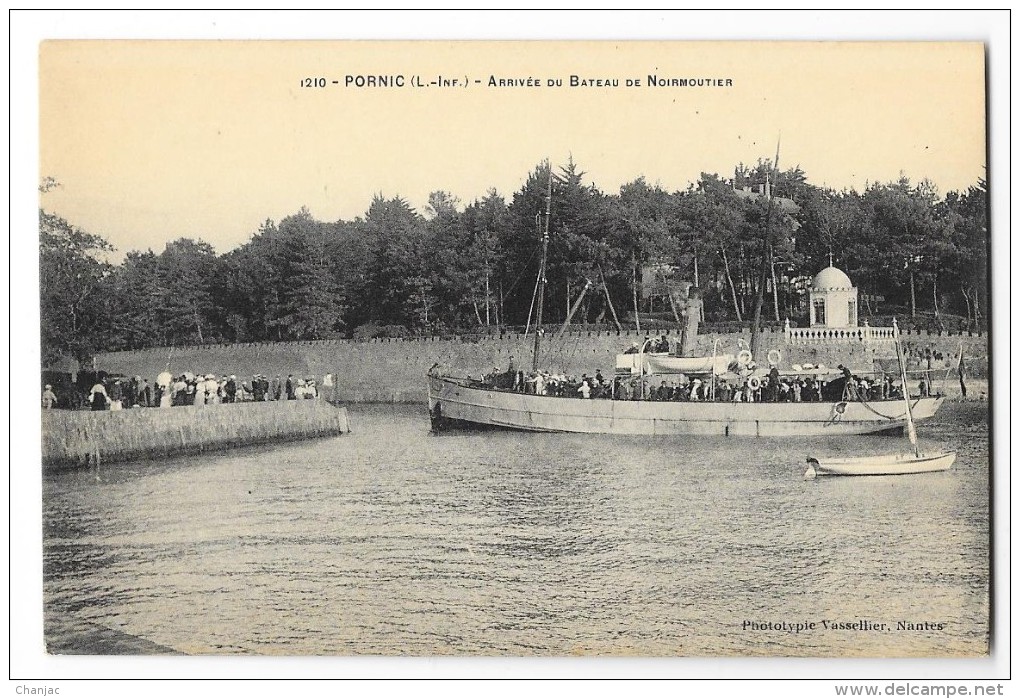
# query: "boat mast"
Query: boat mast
{"points": [[541, 270], [766, 260], [911, 432]]}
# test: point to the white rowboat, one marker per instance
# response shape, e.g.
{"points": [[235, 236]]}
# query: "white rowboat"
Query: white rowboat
{"points": [[881, 465], [885, 464]]}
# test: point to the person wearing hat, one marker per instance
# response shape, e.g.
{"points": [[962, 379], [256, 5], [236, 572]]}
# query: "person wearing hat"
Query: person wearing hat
{"points": [[178, 391], [98, 396], [199, 389], [116, 396], [212, 388], [49, 398], [773, 390], [230, 389]]}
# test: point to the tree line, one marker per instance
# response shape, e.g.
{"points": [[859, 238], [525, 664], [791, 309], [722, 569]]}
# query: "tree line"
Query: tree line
{"points": [[456, 267]]}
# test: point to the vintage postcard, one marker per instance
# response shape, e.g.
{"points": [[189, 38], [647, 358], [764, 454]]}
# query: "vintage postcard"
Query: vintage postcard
{"points": [[501, 348]]}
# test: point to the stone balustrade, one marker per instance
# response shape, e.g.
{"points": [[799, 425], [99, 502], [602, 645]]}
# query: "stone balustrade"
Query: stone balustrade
{"points": [[821, 335]]}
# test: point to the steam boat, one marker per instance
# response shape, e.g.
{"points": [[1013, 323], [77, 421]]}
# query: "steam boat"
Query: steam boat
{"points": [[463, 401]]}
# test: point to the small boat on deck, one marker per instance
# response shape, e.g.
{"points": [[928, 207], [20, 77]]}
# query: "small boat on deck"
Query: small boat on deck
{"points": [[885, 464]]}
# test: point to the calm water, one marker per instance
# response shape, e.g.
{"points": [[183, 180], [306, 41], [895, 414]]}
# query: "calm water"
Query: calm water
{"points": [[394, 541]]}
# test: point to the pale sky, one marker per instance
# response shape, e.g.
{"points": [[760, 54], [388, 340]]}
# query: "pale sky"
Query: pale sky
{"points": [[154, 140]]}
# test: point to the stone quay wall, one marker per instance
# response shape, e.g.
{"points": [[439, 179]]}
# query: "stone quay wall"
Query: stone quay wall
{"points": [[80, 438], [393, 370]]}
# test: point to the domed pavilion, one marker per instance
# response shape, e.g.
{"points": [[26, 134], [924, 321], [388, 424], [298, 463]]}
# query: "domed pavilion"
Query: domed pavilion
{"points": [[832, 310], [832, 300]]}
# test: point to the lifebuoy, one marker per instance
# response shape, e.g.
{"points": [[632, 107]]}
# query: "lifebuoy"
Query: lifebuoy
{"points": [[778, 355], [744, 358], [754, 383]]}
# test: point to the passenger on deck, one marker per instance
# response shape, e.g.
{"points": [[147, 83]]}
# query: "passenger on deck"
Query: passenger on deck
{"points": [[584, 389], [540, 384], [724, 392], [863, 389], [773, 394]]}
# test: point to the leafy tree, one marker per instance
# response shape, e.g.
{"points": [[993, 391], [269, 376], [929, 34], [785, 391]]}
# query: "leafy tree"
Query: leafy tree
{"points": [[458, 267], [311, 305], [186, 270], [476, 273], [137, 306], [73, 281], [966, 218], [398, 286]]}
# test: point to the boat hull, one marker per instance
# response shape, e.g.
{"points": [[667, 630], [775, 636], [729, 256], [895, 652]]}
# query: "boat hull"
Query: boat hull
{"points": [[458, 401], [887, 465]]}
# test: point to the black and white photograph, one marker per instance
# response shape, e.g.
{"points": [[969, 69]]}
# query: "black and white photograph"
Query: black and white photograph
{"points": [[547, 349]]}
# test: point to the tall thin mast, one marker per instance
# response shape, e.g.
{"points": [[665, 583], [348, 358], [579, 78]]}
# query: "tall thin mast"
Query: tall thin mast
{"points": [[766, 264], [911, 432], [541, 270]]}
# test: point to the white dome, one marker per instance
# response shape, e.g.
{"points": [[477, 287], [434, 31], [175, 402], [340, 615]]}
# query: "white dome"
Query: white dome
{"points": [[831, 278]]}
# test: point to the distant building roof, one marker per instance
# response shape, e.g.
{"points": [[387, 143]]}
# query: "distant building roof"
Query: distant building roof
{"points": [[785, 205], [831, 278]]}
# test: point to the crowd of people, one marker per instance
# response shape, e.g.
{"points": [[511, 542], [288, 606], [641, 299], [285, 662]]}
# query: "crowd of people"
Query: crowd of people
{"points": [[168, 390], [752, 388]]}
